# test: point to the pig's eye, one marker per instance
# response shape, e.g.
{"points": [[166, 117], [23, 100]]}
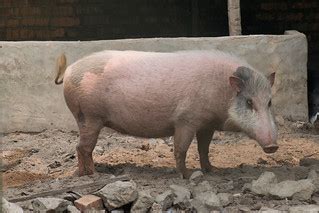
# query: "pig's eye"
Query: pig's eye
{"points": [[249, 103], [269, 103]]}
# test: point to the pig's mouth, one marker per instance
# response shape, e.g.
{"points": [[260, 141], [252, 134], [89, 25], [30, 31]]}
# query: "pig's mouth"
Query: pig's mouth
{"points": [[270, 149]]}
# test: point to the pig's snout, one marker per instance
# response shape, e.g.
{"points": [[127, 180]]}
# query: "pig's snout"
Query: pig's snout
{"points": [[271, 149]]}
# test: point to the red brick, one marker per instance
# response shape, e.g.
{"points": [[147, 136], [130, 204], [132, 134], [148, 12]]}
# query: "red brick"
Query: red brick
{"points": [[63, 11], [57, 33], [65, 21], [13, 23], [89, 202]]}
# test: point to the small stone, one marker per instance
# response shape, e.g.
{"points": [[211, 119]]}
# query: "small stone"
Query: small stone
{"points": [[263, 183], [143, 203], [226, 187], [209, 199], [117, 211], [198, 206], [156, 208], [99, 150], [72, 209], [50, 204], [304, 208], [308, 162], [268, 210], [225, 198], [165, 199], [89, 202], [8, 207], [117, 194], [280, 120], [313, 176], [203, 187], [182, 196], [196, 177]]}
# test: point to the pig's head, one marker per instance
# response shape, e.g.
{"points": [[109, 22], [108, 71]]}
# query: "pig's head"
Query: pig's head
{"points": [[250, 109]]}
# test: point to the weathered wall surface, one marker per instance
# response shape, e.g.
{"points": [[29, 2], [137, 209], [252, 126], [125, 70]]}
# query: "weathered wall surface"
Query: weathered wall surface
{"points": [[30, 101]]}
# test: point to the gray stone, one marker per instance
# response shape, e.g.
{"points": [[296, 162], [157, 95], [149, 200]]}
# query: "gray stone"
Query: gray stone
{"points": [[203, 187], [313, 176], [8, 207], [156, 208], [117, 194], [49, 204], [72, 209], [198, 206], [32, 63], [268, 210], [304, 209], [263, 184], [143, 203], [165, 199], [117, 211], [196, 177], [300, 190], [225, 198], [209, 199], [182, 196], [226, 187]]}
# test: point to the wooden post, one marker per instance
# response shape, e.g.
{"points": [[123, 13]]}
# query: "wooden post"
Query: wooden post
{"points": [[234, 19]]}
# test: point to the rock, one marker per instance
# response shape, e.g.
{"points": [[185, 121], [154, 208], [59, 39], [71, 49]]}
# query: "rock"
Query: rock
{"points": [[165, 199], [117, 211], [313, 176], [50, 204], [8, 207], [203, 187], [196, 177], [99, 150], [308, 162], [262, 185], [182, 196], [268, 210], [300, 190], [72, 209], [226, 187], [209, 200], [225, 198], [117, 194], [280, 120], [143, 203], [304, 208], [156, 208], [89, 202], [198, 206]]}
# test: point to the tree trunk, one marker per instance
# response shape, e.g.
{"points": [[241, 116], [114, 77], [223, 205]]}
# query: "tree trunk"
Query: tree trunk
{"points": [[234, 19]]}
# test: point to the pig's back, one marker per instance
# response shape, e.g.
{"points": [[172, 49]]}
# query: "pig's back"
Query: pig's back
{"points": [[146, 93]]}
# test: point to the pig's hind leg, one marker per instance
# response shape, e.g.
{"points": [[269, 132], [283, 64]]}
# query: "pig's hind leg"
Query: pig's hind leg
{"points": [[89, 131], [183, 137], [204, 138]]}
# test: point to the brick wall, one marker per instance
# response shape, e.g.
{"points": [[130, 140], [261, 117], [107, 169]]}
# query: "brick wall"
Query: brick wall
{"points": [[110, 19], [276, 16]]}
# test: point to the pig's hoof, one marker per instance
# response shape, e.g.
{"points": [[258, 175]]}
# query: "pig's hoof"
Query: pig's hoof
{"points": [[209, 169], [79, 173], [186, 174]]}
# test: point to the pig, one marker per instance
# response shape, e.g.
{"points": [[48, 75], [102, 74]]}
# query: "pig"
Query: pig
{"points": [[182, 94]]}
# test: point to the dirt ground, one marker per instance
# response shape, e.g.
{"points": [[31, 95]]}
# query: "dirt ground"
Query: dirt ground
{"points": [[37, 162]]}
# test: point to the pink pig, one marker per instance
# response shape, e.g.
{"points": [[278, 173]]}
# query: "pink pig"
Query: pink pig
{"points": [[181, 94]]}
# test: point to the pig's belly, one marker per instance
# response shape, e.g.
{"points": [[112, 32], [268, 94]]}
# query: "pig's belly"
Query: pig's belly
{"points": [[140, 124], [134, 115]]}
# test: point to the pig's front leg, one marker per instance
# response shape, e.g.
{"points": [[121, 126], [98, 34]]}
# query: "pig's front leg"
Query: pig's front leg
{"points": [[204, 137], [183, 137]]}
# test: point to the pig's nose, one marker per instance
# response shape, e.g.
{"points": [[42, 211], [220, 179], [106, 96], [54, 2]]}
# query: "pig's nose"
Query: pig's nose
{"points": [[270, 149]]}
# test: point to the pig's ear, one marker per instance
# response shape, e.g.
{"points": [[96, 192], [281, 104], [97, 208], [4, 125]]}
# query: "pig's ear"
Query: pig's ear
{"points": [[236, 83], [271, 78]]}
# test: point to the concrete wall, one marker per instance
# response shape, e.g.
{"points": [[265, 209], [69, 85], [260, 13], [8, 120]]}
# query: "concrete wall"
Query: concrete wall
{"points": [[30, 101]]}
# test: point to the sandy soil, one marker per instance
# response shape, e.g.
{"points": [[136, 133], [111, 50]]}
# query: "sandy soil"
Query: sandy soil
{"points": [[37, 162]]}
